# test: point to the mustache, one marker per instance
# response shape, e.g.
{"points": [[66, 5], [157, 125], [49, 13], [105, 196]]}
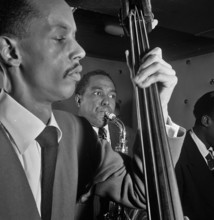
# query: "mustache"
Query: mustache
{"points": [[76, 68]]}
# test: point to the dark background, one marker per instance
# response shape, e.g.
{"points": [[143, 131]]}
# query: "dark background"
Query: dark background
{"points": [[185, 29]]}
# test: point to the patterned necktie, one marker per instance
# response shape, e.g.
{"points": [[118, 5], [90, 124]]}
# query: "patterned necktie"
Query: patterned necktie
{"points": [[102, 133], [49, 144], [210, 159]]}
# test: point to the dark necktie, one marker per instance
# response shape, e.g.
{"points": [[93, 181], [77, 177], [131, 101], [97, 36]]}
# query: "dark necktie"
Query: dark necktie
{"points": [[102, 133], [48, 142], [210, 159]]}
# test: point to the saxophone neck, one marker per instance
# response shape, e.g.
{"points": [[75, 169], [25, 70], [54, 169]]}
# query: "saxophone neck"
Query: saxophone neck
{"points": [[122, 142]]}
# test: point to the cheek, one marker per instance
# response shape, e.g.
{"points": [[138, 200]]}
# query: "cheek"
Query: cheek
{"points": [[89, 106], [113, 104], [53, 69], [36, 63], [45, 56], [211, 137]]}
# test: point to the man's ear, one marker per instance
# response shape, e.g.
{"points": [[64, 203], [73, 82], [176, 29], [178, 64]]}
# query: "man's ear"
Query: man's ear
{"points": [[9, 51], [78, 100], [206, 120]]}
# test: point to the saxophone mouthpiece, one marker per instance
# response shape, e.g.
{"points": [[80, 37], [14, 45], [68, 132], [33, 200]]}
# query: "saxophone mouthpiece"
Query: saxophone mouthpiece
{"points": [[110, 116]]}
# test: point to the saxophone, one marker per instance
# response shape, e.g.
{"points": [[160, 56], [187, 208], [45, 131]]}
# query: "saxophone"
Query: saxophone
{"points": [[121, 147], [116, 211]]}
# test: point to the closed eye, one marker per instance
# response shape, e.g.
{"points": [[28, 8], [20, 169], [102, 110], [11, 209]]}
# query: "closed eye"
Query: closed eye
{"points": [[60, 39]]}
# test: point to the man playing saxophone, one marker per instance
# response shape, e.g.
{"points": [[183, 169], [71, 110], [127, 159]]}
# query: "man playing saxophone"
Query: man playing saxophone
{"points": [[95, 97]]}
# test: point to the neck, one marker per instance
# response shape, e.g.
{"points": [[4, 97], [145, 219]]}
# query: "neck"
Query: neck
{"points": [[40, 110], [199, 131]]}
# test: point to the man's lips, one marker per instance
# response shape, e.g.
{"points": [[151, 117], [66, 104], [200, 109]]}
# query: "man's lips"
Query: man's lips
{"points": [[74, 72], [103, 111], [101, 115]]}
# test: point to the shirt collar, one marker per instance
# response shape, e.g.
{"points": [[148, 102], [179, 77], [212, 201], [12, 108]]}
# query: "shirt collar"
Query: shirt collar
{"points": [[96, 128], [22, 125], [107, 129], [201, 146]]}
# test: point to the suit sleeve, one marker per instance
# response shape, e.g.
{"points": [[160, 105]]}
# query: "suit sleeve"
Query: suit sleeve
{"points": [[119, 178]]}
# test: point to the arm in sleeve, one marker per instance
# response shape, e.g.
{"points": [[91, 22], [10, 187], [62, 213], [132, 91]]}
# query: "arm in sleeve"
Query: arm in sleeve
{"points": [[121, 178]]}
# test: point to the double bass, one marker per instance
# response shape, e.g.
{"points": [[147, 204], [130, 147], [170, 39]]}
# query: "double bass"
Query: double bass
{"points": [[162, 195]]}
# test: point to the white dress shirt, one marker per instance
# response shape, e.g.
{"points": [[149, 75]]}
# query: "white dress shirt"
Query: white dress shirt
{"points": [[107, 132], [22, 127]]}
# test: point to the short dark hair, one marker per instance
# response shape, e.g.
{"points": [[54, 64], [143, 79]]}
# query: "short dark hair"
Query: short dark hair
{"points": [[15, 16], [204, 106], [83, 83]]}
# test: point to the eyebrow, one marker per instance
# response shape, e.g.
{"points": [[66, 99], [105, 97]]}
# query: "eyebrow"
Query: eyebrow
{"points": [[60, 25], [63, 27], [100, 88]]}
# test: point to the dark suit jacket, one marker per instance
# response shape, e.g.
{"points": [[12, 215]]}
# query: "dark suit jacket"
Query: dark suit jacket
{"points": [[74, 169], [195, 182], [101, 205], [80, 158]]}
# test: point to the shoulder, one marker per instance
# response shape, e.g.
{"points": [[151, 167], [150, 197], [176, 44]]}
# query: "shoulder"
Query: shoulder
{"points": [[64, 117], [76, 131], [187, 150], [69, 121]]}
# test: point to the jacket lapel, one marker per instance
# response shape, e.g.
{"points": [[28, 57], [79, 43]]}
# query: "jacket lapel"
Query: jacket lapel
{"points": [[14, 187], [200, 171]]}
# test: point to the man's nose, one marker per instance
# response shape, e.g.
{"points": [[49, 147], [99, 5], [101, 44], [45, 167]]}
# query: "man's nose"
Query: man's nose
{"points": [[78, 52], [105, 100]]}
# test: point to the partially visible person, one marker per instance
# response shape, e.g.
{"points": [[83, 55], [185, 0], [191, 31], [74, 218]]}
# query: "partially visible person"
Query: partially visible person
{"points": [[96, 94], [195, 175]]}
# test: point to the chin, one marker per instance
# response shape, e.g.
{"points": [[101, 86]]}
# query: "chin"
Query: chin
{"points": [[102, 124], [97, 124], [66, 94]]}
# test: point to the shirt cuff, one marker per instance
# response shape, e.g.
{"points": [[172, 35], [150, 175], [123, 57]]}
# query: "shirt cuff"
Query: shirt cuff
{"points": [[171, 128]]}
